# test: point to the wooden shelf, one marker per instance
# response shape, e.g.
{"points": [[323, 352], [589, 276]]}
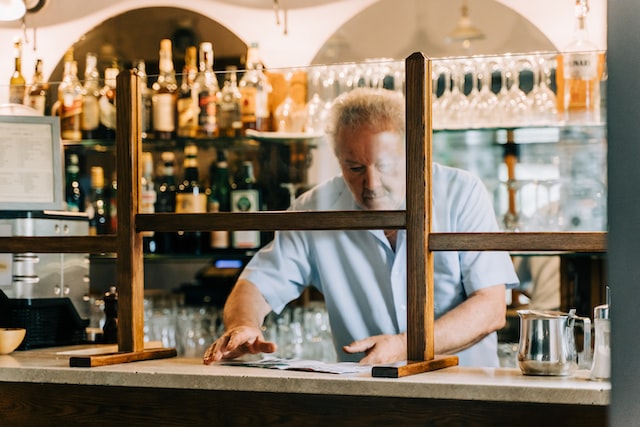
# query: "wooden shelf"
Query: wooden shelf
{"points": [[272, 220], [66, 244]]}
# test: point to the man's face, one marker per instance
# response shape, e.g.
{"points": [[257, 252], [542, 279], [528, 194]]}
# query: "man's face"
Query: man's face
{"points": [[373, 166]]}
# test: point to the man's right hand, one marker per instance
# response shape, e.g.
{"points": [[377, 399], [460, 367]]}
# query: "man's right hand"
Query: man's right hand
{"points": [[238, 341]]}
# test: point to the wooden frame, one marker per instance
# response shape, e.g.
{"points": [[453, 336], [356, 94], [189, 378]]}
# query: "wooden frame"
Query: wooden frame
{"points": [[421, 242]]}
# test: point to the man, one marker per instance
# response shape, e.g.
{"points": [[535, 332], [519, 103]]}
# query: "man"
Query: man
{"points": [[362, 273]]}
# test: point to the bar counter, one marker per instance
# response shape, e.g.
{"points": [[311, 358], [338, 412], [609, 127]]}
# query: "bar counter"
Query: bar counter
{"points": [[38, 387]]}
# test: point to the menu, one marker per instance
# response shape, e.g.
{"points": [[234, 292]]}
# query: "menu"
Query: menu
{"points": [[28, 163], [300, 365]]}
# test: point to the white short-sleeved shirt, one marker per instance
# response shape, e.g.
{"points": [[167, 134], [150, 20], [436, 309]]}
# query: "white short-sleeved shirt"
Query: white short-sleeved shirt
{"points": [[364, 281]]}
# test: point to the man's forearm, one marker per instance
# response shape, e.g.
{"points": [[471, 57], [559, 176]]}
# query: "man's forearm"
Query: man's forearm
{"points": [[245, 306], [483, 313]]}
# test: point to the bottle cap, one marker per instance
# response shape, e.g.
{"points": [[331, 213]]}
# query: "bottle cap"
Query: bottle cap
{"points": [[165, 44]]}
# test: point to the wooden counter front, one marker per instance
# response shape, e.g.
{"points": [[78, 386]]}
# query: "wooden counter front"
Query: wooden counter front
{"points": [[38, 387]]}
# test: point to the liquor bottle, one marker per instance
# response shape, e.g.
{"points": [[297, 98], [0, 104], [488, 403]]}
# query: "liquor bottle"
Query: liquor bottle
{"points": [[74, 194], [186, 104], [148, 199], [17, 83], [166, 201], [36, 96], [90, 123], [245, 197], [110, 328], [141, 69], [255, 87], [578, 73], [164, 95], [70, 100], [219, 199], [206, 92], [190, 198], [228, 114], [107, 104], [98, 204]]}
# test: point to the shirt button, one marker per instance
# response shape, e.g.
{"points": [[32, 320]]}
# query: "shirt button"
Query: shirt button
{"points": [[403, 307]]}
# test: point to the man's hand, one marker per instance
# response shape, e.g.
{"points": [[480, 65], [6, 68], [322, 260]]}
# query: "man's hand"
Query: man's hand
{"points": [[238, 341], [380, 349]]}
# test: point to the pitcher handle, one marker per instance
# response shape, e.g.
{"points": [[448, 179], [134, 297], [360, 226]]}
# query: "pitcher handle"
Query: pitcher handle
{"points": [[584, 357]]}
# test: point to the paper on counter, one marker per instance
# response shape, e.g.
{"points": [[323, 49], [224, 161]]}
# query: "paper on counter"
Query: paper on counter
{"points": [[300, 365]]}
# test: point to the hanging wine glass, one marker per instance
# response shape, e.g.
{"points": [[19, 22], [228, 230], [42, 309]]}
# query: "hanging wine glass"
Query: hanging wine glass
{"points": [[513, 105], [483, 105], [317, 107], [290, 115], [457, 109], [541, 97], [441, 71]]}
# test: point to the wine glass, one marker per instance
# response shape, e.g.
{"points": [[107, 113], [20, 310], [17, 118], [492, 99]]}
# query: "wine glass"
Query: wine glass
{"points": [[483, 105], [317, 108], [541, 97], [513, 104], [457, 108]]}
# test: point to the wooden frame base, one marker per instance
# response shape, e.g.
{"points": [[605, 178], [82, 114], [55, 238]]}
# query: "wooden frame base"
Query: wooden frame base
{"points": [[403, 369], [121, 357]]}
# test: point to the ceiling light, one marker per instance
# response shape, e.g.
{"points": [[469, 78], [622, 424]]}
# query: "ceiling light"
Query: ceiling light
{"points": [[12, 10], [465, 30]]}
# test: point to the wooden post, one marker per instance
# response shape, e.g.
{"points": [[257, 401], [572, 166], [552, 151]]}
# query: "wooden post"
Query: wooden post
{"points": [[130, 263], [420, 308]]}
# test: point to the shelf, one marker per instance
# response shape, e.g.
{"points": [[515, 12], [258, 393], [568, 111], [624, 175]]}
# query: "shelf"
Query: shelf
{"points": [[272, 220], [524, 134], [66, 244]]}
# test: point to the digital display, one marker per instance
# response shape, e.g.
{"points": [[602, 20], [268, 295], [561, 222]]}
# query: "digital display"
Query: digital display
{"points": [[227, 263]]}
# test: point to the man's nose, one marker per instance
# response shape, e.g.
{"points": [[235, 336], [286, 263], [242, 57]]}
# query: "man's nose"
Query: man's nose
{"points": [[373, 178]]}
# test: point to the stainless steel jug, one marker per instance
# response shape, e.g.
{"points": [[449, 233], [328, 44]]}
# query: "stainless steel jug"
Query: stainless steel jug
{"points": [[547, 342]]}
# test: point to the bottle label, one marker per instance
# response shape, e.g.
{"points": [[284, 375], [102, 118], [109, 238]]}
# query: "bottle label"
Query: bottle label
{"points": [[207, 114], [16, 94], [262, 104], [191, 203], [245, 200], [219, 238], [70, 116], [90, 113], [248, 106], [186, 116], [164, 112], [582, 66]]}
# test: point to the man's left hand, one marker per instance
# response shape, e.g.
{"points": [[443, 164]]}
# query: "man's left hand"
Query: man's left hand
{"points": [[380, 349]]}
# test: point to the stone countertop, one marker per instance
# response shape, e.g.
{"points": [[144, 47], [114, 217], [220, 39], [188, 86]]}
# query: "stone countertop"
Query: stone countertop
{"points": [[488, 384]]}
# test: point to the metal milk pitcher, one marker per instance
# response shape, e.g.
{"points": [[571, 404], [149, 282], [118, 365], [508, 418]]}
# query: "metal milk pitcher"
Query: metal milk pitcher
{"points": [[547, 342]]}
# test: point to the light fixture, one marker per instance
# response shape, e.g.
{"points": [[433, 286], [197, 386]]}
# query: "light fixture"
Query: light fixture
{"points": [[12, 10], [465, 31]]}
